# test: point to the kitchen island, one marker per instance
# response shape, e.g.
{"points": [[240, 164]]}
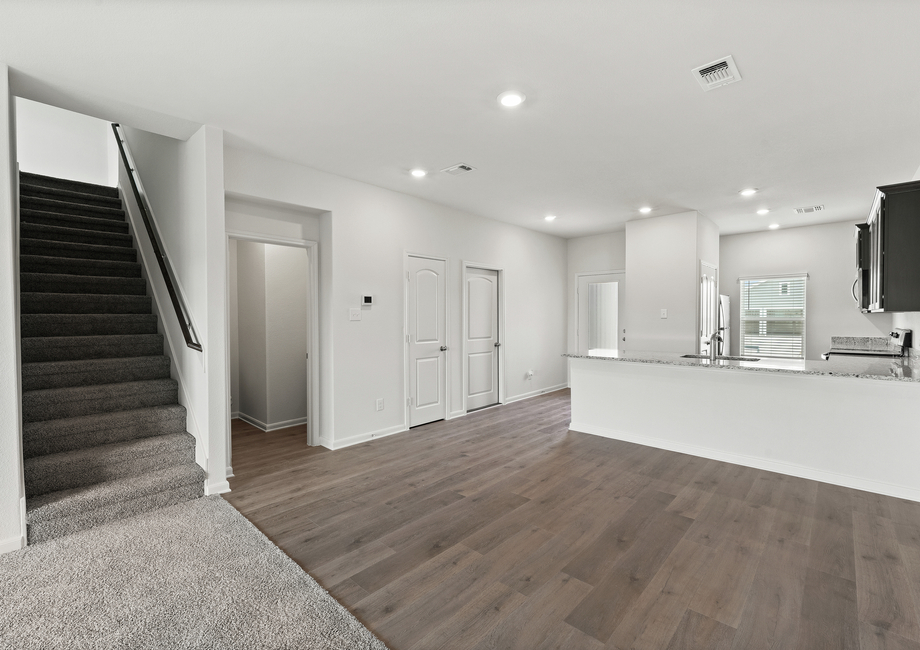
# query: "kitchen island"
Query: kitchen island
{"points": [[850, 421]]}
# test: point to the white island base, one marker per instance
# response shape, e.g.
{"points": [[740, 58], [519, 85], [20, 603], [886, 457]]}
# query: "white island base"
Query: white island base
{"points": [[855, 432]]}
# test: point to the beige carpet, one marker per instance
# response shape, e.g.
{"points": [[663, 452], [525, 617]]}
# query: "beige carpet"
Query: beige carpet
{"points": [[194, 575]]}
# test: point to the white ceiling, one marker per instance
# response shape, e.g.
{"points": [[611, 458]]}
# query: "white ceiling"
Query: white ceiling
{"points": [[827, 109]]}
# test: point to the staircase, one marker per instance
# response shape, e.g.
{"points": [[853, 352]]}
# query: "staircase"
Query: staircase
{"points": [[103, 433]]}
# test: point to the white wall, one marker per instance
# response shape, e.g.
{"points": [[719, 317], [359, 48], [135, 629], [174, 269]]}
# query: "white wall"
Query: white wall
{"points": [[371, 230], [253, 364], [60, 143], [12, 524], [233, 327], [827, 253], [911, 321], [286, 333], [662, 272], [184, 180]]}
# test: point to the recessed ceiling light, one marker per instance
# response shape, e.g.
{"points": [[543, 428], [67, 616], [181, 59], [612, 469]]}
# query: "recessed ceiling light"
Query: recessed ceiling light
{"points": [[419, 173], [511, 98], [773, 226], [550, 217], [748, 192], [645, 210], [763, 211]]}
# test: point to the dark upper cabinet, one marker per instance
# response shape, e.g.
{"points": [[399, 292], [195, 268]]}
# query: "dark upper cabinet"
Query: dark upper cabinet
{"points": [[894, 248]]}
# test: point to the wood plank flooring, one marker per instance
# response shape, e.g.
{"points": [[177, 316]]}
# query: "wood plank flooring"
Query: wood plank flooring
{"points": [[504, 530]]}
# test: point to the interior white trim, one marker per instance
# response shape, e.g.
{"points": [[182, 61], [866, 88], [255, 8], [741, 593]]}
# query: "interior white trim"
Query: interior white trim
{"points": [[535, 393], [272, 426], [464, 265], [11, 544], [218, 487], [362, 437], [843, 480], [313, 403]]}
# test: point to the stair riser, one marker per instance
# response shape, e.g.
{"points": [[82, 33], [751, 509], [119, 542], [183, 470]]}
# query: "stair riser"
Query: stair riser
{"points": [[27, 178], [62, 207], [37, 411], [76, 251], [65, 266], [56, 283], [57, 194], [33, 325], [62, 303], [80, 223], [88, 474], [107, 375], [56, 436], [75, 236], [39, 349], [47, 530]]}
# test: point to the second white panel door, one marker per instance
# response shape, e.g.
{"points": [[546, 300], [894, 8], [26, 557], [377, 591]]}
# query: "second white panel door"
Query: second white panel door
{"points": [[427, 330], [482, 339]]}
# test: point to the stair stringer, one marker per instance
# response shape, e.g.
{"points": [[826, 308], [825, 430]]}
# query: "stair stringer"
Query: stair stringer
{"points": [[173, 339]]}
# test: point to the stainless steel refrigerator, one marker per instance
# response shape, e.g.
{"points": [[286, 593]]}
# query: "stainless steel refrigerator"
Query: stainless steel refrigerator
{"points": [[725, 324]]}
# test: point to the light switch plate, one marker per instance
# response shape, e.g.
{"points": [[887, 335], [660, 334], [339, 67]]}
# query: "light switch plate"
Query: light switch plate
{"points": [[354, 313], [664, 313]]}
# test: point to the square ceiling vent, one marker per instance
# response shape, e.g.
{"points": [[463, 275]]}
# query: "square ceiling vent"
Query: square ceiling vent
{"points": [[458, 169], [717, 74]]}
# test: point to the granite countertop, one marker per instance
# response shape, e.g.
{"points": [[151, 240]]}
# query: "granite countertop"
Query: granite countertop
{"points": [[900, 369]]}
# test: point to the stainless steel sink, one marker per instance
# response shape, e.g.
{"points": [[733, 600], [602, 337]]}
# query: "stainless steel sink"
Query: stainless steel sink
{"points": [[720, 357]]}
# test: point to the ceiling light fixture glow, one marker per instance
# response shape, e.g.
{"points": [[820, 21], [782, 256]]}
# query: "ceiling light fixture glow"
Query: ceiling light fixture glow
{"points": [[763, 211], [645, 210], [419, 173], [550, 217], [748, 192], [511, 98], [773, 226]]}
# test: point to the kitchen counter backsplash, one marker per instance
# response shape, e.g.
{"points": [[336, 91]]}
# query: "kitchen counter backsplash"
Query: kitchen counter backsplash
{"points": [[879, 368], [879, 343]]}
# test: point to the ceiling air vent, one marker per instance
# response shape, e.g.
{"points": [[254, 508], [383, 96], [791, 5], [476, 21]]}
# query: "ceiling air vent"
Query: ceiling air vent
{"points": [[718, 73], [809, 209], [458, 169]]}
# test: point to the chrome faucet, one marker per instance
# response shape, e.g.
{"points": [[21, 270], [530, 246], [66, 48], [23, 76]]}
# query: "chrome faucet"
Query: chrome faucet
{"points": [[713, 348]]}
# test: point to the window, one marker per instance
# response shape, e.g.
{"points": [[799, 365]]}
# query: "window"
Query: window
{"points": [[773, 316]]}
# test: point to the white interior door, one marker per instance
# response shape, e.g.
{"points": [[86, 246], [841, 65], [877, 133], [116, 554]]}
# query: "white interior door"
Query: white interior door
{"points": [[601, 298], [709, 304], [482, 340], [427, 331]]}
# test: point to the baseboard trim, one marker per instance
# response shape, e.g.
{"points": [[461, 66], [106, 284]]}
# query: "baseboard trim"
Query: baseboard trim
{"points": [[274, 426], [230, 473], [234, 415], [217, 487], [12, 544], [362, 437], [535, 393], [456, 414], [800, 471]]}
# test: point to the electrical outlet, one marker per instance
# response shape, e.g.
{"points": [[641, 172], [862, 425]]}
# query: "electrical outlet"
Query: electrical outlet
{"points": [[530, 374], [380, 404], [664, 313]]}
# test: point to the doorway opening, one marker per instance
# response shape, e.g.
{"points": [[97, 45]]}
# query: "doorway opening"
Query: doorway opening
{"points": [[483, 336], [273, 335], [601, 298]]}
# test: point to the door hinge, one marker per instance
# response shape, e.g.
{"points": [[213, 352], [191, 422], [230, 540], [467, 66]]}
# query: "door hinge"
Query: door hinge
{"points": [[407, 276], [408, 401], [407, 338]]}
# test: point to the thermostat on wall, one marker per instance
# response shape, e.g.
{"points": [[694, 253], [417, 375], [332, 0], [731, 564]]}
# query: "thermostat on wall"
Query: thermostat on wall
{"points": [[367, 300]]}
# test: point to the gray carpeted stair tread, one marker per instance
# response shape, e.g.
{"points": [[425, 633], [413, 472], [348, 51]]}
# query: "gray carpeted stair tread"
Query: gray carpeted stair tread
{"points": [[61, 194], [63, 283], [70, 502], [56, 403], [71, 266], [74, 250], [70, 221], [86, 324], [42, 531], [29, 178], [107, 346], [87, 372], [54, 436], [75, 235], [82, 467], [66, 207], [78, 303]]}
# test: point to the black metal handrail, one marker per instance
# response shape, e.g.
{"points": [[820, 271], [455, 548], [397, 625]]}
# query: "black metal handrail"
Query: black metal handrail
{"points": [[185, 322]]}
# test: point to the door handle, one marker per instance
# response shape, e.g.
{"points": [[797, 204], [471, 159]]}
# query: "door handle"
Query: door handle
{"points": [[498, 345], [443, 348]]}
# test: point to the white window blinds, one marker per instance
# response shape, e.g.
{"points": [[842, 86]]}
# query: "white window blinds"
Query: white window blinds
{"points": [[773, 316]]}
